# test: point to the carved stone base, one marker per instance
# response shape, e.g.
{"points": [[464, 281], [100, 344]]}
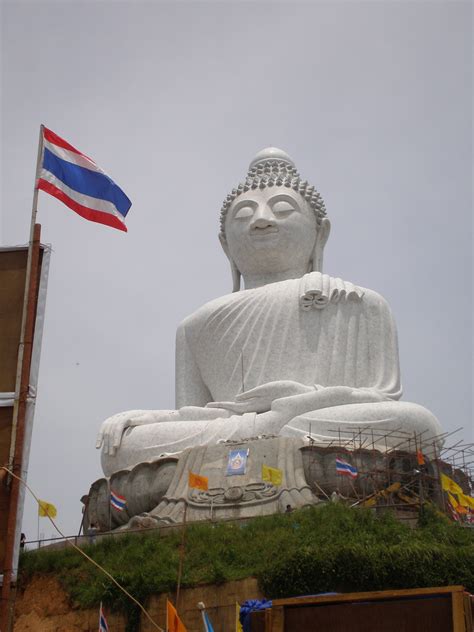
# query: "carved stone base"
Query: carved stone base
{"points": [[158, 492], [237, 496]]}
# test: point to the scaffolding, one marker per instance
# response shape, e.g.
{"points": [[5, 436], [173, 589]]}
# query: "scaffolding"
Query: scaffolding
{"points": [[395, 470]]}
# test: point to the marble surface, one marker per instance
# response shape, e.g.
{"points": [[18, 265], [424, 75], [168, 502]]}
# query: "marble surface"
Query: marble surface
{"points": [[295, 351], [158, 493]]}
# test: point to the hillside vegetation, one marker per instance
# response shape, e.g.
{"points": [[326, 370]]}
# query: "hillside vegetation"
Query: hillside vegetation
{"points": [[319, 549]]}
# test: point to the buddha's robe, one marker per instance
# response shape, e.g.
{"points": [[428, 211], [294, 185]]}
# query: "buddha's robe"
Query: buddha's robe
{"points": [[344, 336], [316, 330]]}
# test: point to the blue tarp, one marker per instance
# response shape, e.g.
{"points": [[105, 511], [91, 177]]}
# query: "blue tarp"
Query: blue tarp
{"points": [[262, 604], [251, 606]]}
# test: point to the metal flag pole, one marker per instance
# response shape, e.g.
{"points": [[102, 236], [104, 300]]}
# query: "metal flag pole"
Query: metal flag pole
{"points": [[110, 504], [27, 296], [21, 393]]}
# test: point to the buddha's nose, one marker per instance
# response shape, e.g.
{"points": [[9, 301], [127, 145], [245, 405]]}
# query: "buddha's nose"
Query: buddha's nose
{"points": [[263, 218]]}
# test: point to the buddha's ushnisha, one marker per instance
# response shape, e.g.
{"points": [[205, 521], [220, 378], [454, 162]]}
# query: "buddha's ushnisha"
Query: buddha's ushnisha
{"points": [[296, 349]]}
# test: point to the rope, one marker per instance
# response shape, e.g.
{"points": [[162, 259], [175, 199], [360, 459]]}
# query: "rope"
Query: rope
{"points": [[85, 554]]}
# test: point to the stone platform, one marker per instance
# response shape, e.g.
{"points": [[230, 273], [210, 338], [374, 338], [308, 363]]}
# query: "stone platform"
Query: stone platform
{"points": [[157, 492]]}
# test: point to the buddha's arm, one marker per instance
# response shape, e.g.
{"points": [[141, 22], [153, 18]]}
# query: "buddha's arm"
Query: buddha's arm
{"points": [[112, 429], [190, 388], [384, 377], [285, 394], [192, 396]]}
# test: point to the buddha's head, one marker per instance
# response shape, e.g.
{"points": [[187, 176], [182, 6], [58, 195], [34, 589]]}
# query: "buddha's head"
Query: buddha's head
{"points": [[273, 225]]}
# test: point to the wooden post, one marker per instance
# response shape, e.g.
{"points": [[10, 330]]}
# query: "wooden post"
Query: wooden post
{"points": [[19, 413], [181, 557], [268, 620], [110, 504], [22, 384], [438, 471], [277, 619], [457, 600]]}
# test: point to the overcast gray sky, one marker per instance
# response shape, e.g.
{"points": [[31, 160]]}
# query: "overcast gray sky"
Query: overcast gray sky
{"points": [[373, 100]]}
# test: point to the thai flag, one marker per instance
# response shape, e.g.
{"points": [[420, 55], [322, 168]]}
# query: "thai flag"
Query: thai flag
{"points": [[345, 468], [74, 179], [103, 627], [118, 502]]}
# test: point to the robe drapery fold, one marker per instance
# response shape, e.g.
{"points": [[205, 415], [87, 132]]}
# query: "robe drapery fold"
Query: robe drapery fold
{"points": [[314, 330]]}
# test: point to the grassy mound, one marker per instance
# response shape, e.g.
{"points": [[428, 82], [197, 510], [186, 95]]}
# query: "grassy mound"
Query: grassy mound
{"points": [[319, 549]]}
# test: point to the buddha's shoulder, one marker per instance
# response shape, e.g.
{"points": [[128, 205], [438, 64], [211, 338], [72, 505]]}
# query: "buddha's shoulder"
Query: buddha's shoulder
{"points": [[371, 297], [293, 289], [374, 300], [197, 319], [327, 289], [223, 304]]}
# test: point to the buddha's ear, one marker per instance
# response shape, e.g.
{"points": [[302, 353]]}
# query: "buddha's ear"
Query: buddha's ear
{"points": [[233, 268], [322, 235]]}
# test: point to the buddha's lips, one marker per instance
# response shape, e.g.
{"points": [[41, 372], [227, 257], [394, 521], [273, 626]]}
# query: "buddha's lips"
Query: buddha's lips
{"points": [[262, 232]]}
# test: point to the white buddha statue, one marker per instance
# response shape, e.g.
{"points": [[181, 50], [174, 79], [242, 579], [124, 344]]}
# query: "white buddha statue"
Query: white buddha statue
{"points": [[293, 352]]}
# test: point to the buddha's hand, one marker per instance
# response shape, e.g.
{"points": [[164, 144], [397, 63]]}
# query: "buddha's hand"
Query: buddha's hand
{"points": [[112, 429], [260, 398], [327, 397]]}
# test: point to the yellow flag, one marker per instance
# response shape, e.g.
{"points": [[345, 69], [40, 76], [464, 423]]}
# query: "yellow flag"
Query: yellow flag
{"points": [[46, 509], [449, 485], [198, 482], [272, 475], [238, 625], [173, 622], [453, 502], [467, 501], [457, 506]]}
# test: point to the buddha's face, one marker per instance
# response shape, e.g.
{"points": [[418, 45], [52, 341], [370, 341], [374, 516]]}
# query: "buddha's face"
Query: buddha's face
{"points": [[270, 230]]}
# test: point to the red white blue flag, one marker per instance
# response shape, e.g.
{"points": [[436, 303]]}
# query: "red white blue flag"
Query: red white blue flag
{"points": [[118, 502], [345, 468], [103, 627], [74, 179]]}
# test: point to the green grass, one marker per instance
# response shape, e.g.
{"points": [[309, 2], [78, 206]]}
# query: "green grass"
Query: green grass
{"points": [[328, 548]]}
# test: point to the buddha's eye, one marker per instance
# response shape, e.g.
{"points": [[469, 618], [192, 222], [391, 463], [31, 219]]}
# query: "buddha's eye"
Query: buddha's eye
{"points": [[282, 208], [244, 212]]}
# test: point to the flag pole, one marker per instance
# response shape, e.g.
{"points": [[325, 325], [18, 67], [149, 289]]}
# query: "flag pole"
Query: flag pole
{"points": [[39, 162], [27, 295], [21, 393], [110, 505]]}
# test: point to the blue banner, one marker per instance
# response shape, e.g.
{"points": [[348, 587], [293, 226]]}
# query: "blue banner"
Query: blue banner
{"points": [[237, 462]]}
